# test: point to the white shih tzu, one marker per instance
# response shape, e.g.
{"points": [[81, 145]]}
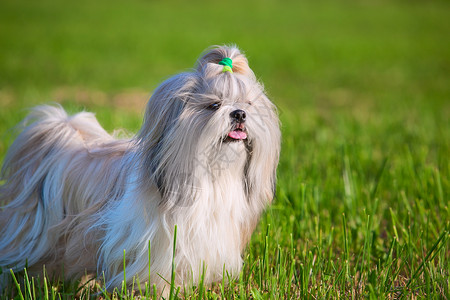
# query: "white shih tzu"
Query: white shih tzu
{"points": [[74, 197]]}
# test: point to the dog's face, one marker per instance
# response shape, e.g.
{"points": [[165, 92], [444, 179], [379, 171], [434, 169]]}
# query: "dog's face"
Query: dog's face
{"points": [[227, 117], [202, 125]]}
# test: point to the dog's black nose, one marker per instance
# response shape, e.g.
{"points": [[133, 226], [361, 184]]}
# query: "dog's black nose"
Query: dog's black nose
{"points": [[238, 115]]}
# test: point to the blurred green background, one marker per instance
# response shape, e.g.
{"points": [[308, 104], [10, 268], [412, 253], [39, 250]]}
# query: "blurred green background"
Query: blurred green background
{"points": [[338, 70], [306, 52], [362, 88]]}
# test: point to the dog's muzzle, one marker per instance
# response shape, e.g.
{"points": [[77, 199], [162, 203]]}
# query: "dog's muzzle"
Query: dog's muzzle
{"points": [[238, 131], [238, 116]]}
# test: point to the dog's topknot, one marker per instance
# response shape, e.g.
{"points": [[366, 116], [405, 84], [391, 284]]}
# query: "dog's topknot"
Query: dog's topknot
{"points": [[208, 63]]}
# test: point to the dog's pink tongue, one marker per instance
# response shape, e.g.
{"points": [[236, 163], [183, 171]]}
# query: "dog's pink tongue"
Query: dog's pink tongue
{"points": [[237, 135]]}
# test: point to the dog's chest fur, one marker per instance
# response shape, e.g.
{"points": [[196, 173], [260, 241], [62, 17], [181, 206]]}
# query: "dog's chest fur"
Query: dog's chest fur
{"points": [[212, 229]]}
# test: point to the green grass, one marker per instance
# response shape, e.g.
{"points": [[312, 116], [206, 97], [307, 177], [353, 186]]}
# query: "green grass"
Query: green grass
{"points": [[363, 90]]}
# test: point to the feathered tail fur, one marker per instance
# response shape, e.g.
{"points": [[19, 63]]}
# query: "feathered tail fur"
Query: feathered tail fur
{"points": [[42, 174]]}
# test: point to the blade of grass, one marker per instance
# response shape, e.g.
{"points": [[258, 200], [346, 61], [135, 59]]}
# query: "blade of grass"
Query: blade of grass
{"points": [[17, 285], [172, 278]]}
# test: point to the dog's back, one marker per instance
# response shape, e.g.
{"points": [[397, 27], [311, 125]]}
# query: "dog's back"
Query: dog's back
{"points": [[41, 175]]}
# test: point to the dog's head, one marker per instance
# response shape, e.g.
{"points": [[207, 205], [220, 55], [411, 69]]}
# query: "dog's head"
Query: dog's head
{"points": [[213, 120]]}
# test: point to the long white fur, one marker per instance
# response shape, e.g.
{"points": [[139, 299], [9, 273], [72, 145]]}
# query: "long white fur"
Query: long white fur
{"points": [[75, 196]]}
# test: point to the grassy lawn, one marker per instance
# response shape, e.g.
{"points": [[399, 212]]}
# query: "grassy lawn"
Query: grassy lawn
{"points": [[363, 91]]}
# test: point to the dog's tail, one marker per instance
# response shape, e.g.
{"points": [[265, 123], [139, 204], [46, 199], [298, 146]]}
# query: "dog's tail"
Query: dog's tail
{"points": [[28, 206]]}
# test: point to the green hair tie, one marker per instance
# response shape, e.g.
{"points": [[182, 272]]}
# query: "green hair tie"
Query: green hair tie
{"points": [[227, 64]]}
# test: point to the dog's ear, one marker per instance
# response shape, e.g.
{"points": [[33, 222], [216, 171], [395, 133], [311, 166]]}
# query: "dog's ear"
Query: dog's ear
{"points": [[264, 152], [157, 173], [162, 113], [164, 108]]}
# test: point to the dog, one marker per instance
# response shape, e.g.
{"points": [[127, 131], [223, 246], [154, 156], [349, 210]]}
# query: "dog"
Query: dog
{"points": [[74, 197]]}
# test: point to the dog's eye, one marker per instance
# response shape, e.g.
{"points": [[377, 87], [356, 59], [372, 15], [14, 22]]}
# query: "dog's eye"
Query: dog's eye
{"points": [[214, 106]]}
